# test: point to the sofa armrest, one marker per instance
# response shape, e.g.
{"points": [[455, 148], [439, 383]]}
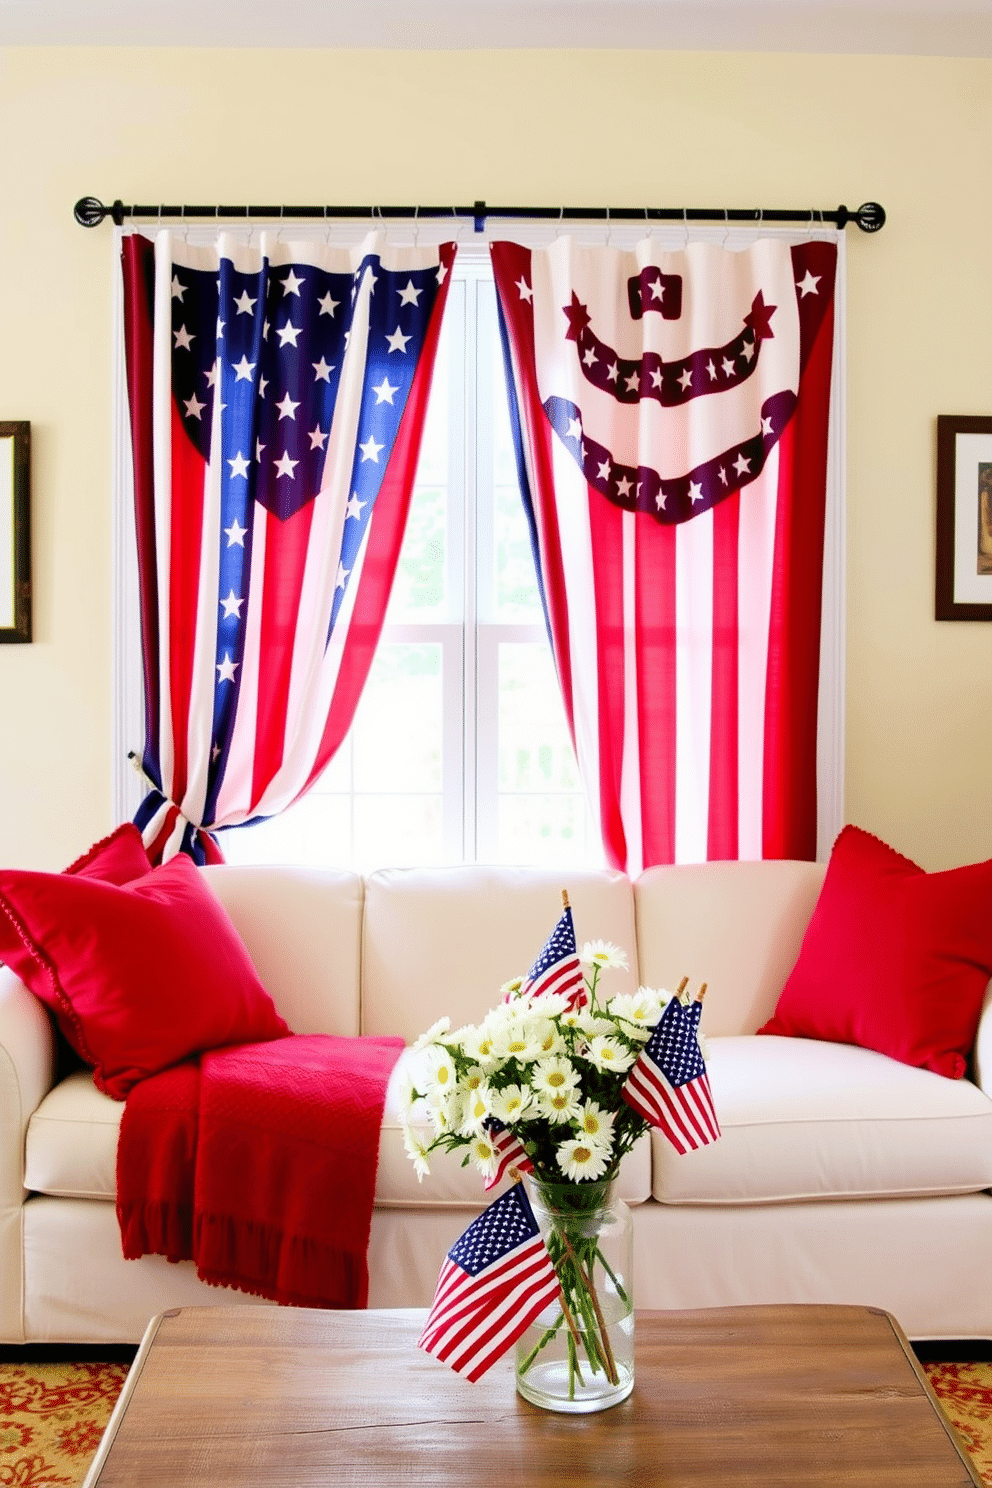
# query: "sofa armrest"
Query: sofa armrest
{"points": [[983, 1045], [27, 1071]]}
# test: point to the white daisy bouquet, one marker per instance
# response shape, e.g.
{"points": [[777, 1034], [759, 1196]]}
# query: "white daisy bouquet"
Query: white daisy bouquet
{"points": [[538, 1087], [547, 1068]]}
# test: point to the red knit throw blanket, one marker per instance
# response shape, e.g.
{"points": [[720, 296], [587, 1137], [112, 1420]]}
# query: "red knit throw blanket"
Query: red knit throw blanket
{"points": [[258, 1163]]}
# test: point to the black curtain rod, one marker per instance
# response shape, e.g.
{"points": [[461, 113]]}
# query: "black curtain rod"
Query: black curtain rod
{"points": [[89, 211]]}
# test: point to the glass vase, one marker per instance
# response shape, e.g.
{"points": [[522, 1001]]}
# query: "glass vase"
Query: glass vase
{"points": [[578, 1354]]}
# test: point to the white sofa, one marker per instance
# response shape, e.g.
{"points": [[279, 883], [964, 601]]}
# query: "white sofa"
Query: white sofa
{"points": [[841, 1176]]}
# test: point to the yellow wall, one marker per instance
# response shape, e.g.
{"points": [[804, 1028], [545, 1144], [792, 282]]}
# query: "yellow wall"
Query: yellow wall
{"points": [[523, 127]]}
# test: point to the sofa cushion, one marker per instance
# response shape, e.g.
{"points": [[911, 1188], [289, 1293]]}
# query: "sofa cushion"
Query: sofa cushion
{"points": [[736, 926], [71, 1152], [894, 959], [450, 1184], [140, 975], [803, 1119], [440, 942], [303, 930], [71, 1145]]}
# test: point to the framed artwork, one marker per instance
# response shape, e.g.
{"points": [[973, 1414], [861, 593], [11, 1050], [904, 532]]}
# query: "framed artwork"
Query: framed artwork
{"points": [[964, 518], [15, 531]]}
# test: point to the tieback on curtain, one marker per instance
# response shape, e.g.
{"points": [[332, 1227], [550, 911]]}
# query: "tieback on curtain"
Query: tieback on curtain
{"points": [[168, 829]]}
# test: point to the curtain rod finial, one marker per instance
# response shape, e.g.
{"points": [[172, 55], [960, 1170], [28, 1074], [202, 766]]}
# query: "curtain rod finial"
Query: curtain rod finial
{"points": [[870, 216], [89, 211]]}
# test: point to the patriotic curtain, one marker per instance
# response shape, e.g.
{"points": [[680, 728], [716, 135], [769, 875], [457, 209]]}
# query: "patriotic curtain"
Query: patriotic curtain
{"points": [[277, 397], [671, 414]]}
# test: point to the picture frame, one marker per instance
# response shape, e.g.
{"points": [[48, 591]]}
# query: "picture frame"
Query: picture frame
{"points": [[15, 531], [964, 518]]}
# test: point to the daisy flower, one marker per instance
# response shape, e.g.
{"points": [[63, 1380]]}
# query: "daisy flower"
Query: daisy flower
{"points": [[604, 954], [639, 1012], [520, 1039], [416, 1148], [444, 1109], [433, 1034], [476, 1112], [597, 1124], [550, 1004], [407, 1094], [547, 1035], [510, 1104], [477, 1044], [592, 1024], [443, 1072], [512, 988], [608, 1053], [579, 1158], [560, 1105], [554, 1074], [473, 1078], [484, 1155]]}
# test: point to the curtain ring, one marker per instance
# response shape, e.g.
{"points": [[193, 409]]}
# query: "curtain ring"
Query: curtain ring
{"points": [[609, 229], [182, 218], [416, 226], [685, 228], [726, 226]]}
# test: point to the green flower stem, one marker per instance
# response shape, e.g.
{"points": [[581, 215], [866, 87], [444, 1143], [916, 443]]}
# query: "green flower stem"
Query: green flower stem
{"points": [[542, 1342], [593, 1295], [573, 1330], [611, 1274]]}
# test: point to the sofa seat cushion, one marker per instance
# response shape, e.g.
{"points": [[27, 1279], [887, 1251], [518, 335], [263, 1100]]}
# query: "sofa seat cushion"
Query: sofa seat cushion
{"points": [[71, 1152], [71, 1147], [803, 1119], [448, 1183]]}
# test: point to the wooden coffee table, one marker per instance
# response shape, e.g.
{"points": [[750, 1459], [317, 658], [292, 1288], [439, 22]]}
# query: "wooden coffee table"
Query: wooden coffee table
{"points": [[265, 1396]]}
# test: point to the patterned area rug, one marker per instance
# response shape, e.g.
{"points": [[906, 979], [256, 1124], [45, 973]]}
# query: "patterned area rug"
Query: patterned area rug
{"points": [[52, 1417], [965, 1392]]}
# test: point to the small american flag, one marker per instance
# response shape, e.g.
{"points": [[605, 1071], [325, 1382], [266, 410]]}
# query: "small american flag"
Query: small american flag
{"points": [[557, 968], [509, 1151], [668, 1084], [495, 1280]]}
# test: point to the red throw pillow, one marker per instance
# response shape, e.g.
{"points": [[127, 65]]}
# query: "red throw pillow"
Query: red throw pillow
{"points": [[139, 976], [894, 959], [116, 859]]}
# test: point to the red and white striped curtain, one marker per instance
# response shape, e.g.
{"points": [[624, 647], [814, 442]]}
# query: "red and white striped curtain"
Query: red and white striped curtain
{"points": [[671, 412], [277, 399]]}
